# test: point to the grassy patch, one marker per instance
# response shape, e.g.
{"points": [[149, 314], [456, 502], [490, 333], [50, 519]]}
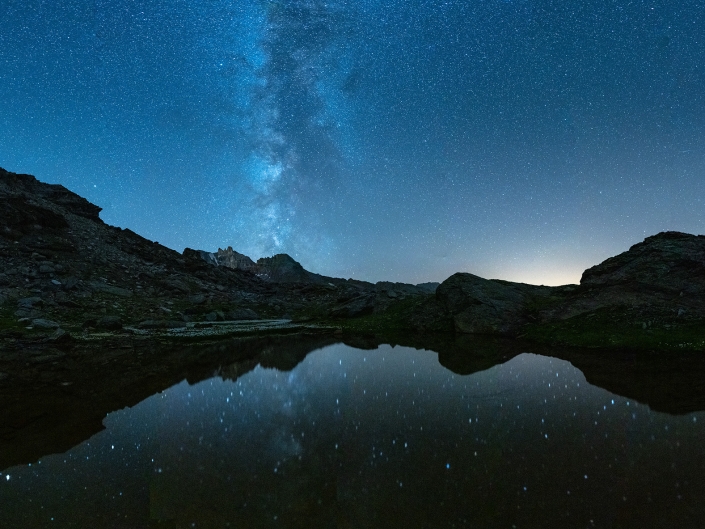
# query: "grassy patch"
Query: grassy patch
{"points": [[620, 329], [8, 322], [396, 317], [539, 303]]}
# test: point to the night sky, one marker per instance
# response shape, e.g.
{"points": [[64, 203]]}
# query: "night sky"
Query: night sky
{"points": [[375, 139]]}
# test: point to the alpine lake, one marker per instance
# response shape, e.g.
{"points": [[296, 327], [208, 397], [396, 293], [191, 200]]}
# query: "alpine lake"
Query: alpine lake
{"points": [[366, 434]]}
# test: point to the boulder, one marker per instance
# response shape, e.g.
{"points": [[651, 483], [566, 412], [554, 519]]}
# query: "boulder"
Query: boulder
{"points": [[110, 323], [358, 306], [60, 337], [70, 283], [479, 305], [29, 303], [98, 286], [197, 299], [214, 316], [487, 306]]}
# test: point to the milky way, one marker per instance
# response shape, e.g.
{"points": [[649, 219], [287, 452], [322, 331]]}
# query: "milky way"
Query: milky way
{"points": [[525, 140]]}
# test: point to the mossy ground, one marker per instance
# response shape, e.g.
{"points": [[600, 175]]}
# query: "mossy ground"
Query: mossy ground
{"points": [[621, 329], [396, 318], [8, 322]]}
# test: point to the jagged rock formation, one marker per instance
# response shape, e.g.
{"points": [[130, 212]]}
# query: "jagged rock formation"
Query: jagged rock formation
{"points": [[228, 258], [282, 268], [279, 268], [233, 259]]}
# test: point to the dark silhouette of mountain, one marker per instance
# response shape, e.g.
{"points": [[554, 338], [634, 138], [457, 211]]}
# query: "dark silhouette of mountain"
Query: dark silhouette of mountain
{"points": [[64, 270]]}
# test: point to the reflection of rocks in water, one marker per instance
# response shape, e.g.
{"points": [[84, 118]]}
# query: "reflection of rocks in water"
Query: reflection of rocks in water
{"points": [[287, 356], [674, 384], [469, 354], [234, 371], [461, 354], [40, 417], [281, 356]]}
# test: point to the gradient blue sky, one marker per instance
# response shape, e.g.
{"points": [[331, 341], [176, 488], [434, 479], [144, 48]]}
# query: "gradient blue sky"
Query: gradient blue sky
{"points": [[381, 140]]}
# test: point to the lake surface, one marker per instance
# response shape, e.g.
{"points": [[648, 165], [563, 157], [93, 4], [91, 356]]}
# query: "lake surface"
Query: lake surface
{"points": [[375, 438]]}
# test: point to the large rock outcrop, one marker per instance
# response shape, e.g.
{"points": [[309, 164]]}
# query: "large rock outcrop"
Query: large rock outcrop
{"points": [[669, 260], [484, 306], [661, 277], [660, 281], [24, 186]]}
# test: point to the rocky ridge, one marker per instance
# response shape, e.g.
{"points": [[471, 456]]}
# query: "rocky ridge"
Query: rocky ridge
{"points": [[65, 273]]}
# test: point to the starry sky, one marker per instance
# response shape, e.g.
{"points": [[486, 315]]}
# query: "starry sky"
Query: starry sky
{"points": [[376, 139]]}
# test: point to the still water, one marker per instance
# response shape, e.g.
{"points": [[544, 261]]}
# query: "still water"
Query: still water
{"points": [[380, 438]]}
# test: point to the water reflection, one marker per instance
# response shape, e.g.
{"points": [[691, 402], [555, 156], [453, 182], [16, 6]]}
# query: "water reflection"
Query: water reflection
{"points": [[377, 438]]}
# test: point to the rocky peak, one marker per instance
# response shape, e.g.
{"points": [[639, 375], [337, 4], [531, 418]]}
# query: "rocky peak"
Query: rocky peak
{"points": [[233, 259], [283, 268], [668, 259]]}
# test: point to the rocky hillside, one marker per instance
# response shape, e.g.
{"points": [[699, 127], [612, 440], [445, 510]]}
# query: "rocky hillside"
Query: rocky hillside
{"points": [[65, 274], [64, 271]]}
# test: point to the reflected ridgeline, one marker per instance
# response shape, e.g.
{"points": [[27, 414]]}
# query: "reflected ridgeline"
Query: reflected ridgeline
{"points": [[673, 383], [40, 418]]}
